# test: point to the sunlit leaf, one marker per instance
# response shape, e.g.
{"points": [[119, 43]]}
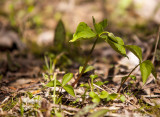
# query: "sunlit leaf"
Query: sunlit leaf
{"points": [[111, 37], [133, 77], [103, 94], [116, 43], [117, 47], [69, 89], [135, 50], [99, 27], [92, 94], [122, 98], [86, 85], [99, 83], [96, 99], [147, 68], [88, 68], [113, 96], [83, 32], [93, 76], [66, 78]]}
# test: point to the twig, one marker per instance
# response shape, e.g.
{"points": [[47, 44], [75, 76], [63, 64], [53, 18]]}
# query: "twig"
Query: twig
{"points": [[119, 89], [155, 49], [86, 62], [103, 89]]}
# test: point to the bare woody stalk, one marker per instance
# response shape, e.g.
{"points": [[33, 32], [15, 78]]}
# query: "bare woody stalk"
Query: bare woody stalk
{"points": [[119, 89], [155, 49], [86, 62]]}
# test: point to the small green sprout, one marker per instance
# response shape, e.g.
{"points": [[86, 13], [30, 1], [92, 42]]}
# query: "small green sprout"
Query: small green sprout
{"points": [[66, 78]]}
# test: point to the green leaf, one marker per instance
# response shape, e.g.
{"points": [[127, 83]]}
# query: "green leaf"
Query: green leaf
{"points": [[99, 27], [69, 89], [111, 37], [117, 47], [96, 99], [83, 32], [135, 50], [93, 76], [113, 96], [99, 113], [88, 68], [122, 98], [92, 94], [147, 68], [86, 85], [116, 43], [105, 37], [30, 95], [103, 94], [66, 78], [51, 83], [115, 39], [104, 23], [133, 77], [60, 35], [99, 83]]}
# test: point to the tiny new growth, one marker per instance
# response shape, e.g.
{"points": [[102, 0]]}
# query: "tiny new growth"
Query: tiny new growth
{"points": [[85, 32]]}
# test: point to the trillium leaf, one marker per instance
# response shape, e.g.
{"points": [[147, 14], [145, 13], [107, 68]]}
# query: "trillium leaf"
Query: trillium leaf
{"points": [[111, 37], [147, 68], [83, 32], [104, 23], [135, 50], [116, 43], [69, 89], [99, 27], [66, 78], [117, 47], [115, 39]]}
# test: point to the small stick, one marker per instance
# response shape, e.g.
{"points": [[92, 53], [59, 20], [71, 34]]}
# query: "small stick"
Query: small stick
{"points": [[155, 49], [86, 62]]}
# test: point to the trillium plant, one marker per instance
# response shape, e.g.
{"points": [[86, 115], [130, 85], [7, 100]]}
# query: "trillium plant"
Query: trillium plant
{"points": [[84, 32]]}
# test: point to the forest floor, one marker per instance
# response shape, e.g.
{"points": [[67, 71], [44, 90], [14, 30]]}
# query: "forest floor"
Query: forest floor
{"points": [[24, 76]]}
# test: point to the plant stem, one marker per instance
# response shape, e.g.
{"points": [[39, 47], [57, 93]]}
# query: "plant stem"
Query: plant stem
{"points": [[54, 92], [119, 89], [155, 49], [86, 62]]}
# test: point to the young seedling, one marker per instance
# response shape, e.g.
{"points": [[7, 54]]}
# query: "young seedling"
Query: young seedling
{"points": [[85, 32], [66, 78]]}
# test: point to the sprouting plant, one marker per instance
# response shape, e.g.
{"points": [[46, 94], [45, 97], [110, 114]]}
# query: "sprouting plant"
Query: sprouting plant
{"points": [[66, 78], [52, 76], [83, 31]]}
